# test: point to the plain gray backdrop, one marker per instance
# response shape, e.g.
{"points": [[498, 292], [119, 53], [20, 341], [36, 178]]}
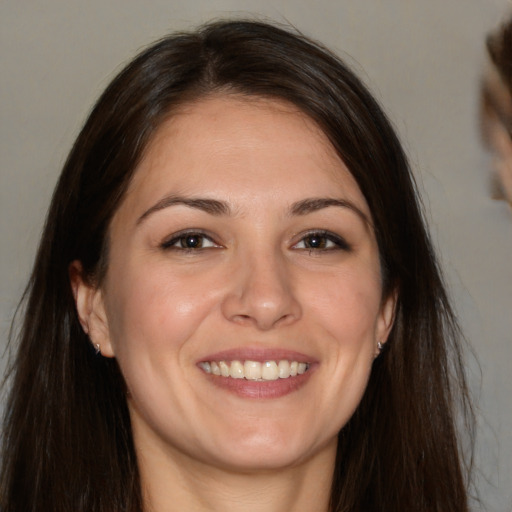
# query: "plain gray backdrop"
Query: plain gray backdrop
{"points": [[422, 59]]}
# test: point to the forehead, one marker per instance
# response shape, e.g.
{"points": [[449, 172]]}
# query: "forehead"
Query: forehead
{"points": [[241, 147]]}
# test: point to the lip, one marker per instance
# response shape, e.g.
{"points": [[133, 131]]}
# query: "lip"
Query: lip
{"points": [[260, 389]]}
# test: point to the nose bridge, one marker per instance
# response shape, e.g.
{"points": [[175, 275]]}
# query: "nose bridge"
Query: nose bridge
{"points": [[262, 293]]}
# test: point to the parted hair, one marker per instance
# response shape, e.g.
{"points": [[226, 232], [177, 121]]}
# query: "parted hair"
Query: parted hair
{"points": [[67, 440]]}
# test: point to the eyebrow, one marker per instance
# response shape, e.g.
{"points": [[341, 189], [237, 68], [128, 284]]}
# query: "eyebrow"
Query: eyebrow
{"points": [[217, 208], [314, 204], [211, 206]]}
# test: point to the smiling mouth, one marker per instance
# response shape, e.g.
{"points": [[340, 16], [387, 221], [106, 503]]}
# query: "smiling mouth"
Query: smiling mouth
{"points": [[255, 370]]}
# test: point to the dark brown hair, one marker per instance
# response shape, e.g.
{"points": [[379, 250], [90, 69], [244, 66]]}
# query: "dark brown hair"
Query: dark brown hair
{"points": [[67, 443]]}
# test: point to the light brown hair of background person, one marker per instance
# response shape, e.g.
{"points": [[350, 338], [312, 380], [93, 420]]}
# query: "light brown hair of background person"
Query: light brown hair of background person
{"points": [[496, 109]]}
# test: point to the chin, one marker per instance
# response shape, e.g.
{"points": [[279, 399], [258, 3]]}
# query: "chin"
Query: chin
{"points": [[266, 450]]}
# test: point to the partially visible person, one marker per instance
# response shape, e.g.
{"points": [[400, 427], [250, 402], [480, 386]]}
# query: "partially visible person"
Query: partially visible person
{"points": [[497, 109]]}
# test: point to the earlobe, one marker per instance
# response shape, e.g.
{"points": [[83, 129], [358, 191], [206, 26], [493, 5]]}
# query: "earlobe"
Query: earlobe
{"points": [[91, 310]]}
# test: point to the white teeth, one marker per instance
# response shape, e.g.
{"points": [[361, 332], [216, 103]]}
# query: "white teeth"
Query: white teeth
{"points": [[269, 371], [284, 369], [254, 370], [224, 369], [237, 370], [215, 368]]}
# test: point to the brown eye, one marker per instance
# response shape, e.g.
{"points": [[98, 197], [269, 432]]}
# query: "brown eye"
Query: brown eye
{"points": [[316, 242], [322, 241], [189, 241]]}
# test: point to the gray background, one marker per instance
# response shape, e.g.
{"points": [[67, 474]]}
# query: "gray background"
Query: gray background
{"points": [[422, 59]]}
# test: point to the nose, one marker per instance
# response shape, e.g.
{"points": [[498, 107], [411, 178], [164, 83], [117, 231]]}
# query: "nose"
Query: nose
{"points": [[261, 294]]}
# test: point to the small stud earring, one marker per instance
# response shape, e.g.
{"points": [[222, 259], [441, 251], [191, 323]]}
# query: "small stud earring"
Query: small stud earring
{"points": [[380, 346], [97, 348]]}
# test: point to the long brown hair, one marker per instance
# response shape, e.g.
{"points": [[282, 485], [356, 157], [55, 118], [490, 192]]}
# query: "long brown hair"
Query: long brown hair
{"points": [[67, 442]]}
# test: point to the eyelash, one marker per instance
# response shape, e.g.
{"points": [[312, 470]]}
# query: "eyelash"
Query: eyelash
{"points": [[326, 240], [326, 237], [181, 237]]}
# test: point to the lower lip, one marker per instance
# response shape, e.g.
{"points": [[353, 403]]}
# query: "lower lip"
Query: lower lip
{"points": [[262, 389]]}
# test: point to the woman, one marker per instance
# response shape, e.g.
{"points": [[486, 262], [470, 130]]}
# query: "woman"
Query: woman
{"points": [[235, 304]]}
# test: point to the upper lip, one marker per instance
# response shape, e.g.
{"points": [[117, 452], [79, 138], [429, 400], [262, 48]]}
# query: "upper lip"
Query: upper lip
{"points": [[258, 354]]}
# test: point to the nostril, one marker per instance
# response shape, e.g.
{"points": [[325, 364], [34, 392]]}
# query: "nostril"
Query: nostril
{"points": [[242, 319]]}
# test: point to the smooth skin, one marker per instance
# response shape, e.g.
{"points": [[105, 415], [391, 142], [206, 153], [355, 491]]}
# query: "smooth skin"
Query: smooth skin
{"points": [[241, 228]]}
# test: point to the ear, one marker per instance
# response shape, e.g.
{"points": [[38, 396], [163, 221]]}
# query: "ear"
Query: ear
{"points": [[91, 309], [500, 140], [386, 317]]}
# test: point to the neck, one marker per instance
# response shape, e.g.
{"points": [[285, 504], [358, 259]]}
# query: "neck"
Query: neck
{"points": [[176, 483]]}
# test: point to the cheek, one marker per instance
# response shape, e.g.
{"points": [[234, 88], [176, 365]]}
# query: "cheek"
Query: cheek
{"points": [[346, 312], [348, 305], [156, 308]]}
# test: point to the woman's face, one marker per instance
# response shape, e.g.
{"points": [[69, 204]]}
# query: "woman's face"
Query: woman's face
{"points": [[243, 247]]}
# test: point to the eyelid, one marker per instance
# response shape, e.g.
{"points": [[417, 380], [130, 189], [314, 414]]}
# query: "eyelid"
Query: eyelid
{"points": [[170, 241], [338, 240]]}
